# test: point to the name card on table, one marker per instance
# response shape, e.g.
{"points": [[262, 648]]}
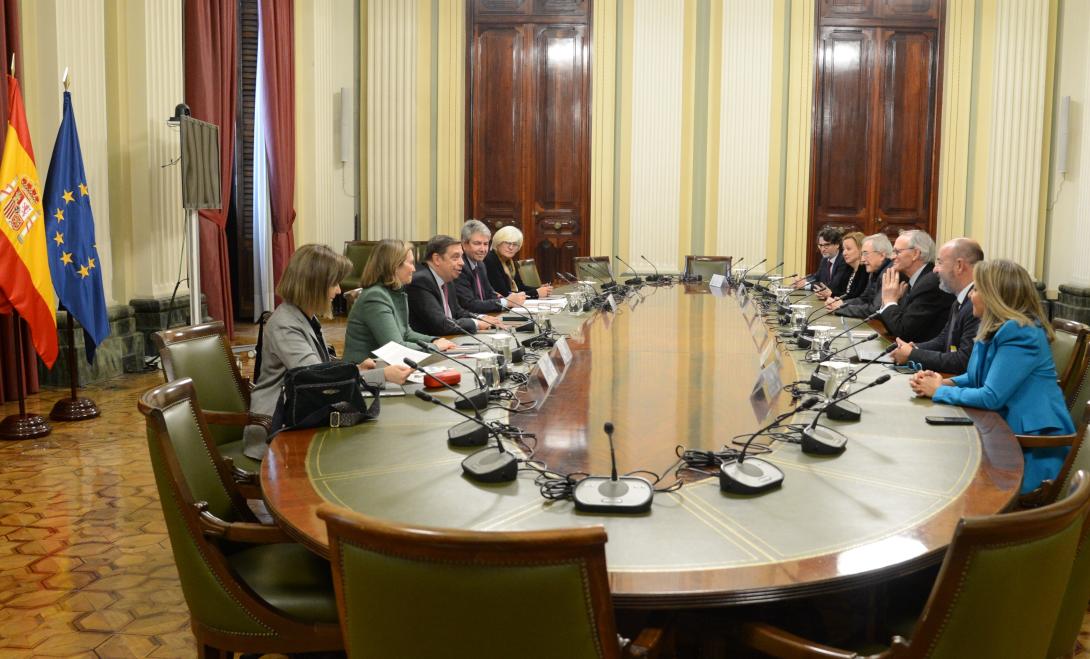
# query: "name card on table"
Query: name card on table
{"points": [[765, 390], [717, 281], [612, 303], [564, 349], [548, 369]]}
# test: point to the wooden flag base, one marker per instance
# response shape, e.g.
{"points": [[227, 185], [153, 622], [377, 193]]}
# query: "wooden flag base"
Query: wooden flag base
{"points": [[74, 409], [24, 426]]}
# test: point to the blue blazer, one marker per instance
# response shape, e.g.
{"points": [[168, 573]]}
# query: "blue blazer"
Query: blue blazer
{"points": [[1014, 375]]}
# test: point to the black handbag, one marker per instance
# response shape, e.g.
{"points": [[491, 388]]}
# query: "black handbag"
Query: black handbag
{"points": [[327, 394]]}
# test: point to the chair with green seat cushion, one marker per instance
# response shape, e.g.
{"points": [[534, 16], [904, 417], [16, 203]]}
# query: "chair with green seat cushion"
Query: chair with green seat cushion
{"points": [[528, 273], [1073, 608], [203, 354], [1071, 356], [428, 593], [997, 594], [706, 266], [247, 586], [358, 252], [592, 268]]}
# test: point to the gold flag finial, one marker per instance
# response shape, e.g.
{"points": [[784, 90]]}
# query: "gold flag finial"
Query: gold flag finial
{"points": [[13, 64]]}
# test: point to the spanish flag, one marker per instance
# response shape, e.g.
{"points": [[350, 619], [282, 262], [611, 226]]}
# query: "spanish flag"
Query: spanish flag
{"points": [[25, 282]]}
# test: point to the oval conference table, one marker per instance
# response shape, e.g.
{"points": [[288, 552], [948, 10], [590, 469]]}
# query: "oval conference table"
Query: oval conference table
{"points": [[676, 366]]}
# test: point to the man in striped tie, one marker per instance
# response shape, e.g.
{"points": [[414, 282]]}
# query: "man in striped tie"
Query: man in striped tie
{"points": [[474, 291]]}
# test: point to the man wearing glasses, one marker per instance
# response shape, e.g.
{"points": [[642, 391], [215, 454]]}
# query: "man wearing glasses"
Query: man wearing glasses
{"points": [[914, 306], [832, 272]]}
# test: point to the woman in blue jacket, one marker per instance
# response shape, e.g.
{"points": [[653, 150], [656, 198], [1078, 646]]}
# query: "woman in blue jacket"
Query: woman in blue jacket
{"points": [[1011, 369]]}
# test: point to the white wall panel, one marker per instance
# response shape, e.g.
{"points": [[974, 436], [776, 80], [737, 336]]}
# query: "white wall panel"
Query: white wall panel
{"points": [[744, 129], [655, 179]]}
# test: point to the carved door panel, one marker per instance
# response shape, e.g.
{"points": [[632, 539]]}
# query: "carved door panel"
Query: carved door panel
{"points": [[528, 156]]}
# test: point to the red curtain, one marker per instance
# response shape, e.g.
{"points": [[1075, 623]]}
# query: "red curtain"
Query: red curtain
{"points": [[9, 45], [278, 43], [211, 91]]}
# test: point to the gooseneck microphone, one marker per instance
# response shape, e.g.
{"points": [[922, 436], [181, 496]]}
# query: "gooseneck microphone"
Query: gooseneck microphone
{"points": [[472, 432], [612, 283], [766, 273], [656, 276], [541, 338], [755, 475], [805, 342], [742, 279], [634, 281], [850, 411], [597, 494], [475, 400], [822, 440], [870, 337], [486, 465]]}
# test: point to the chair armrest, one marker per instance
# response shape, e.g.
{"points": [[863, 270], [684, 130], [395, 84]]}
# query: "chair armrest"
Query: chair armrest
{"points": [[238, 419], [238, 531], [785, 645], [1046, 441], [648, 645]]}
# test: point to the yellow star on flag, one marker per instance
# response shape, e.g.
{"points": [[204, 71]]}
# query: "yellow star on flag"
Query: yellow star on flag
{"points": [[59, 215], [59, 239], [68, 196], [66, 258], [83, 189], [83, 271], [91, 263]]}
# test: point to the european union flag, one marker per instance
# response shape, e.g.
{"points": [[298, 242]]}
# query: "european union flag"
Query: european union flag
{"points": [[70, 235]]}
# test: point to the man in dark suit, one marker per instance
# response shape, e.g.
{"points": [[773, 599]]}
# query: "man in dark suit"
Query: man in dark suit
{"points": [[832, 271], [914, 307], [876, 254], [949, 351], [472, 287], [433, 306]]}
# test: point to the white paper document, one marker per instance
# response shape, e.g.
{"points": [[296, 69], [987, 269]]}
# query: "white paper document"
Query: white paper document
{"points": [[395, 353]]}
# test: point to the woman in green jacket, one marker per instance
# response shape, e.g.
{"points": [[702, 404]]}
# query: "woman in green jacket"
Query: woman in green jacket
{"points": [[381, 313]]}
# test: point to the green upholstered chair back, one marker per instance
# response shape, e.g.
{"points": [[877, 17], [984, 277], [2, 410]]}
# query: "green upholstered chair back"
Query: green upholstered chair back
{"points": [[528, 273], [429, 593], [592, 268], [1073, 607], [358, 252], [420, 247], [1070, 354], [706, 266], [185, 474], [1000, 587], [202, 353]]}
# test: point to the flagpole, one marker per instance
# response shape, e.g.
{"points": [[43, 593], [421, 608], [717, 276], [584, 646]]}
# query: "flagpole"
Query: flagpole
{"points": [[22, 425], [73, 408]]}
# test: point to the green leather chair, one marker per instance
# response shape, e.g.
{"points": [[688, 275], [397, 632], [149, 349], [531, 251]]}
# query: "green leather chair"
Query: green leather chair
{"points": [[528, 273], [248, 587], [435, 593], [592, 268], [997, 595], [202, 353], [419, 249], [706, 266], [358, 252], [1073, 608], [1071, 356]]}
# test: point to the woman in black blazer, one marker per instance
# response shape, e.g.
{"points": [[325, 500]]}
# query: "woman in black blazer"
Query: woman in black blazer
{"points": [[856, 281], [503, 272]]}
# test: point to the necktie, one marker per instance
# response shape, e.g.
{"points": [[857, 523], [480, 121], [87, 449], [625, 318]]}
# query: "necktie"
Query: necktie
{"points": [[477, 279], [955, 309], [830, 270], [446, 305]]}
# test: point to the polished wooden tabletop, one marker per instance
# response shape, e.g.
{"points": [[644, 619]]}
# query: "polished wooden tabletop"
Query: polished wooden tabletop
{"points": [[676, 367]]}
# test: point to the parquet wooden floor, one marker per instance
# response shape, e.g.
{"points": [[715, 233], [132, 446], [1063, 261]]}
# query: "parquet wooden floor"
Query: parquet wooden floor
{"points": [[85, 562]]}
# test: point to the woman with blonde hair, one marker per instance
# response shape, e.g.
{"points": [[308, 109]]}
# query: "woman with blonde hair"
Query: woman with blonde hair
{"points": [[1011, 369], [851, 248], [292, 336], [381, 313], [503, 271]]}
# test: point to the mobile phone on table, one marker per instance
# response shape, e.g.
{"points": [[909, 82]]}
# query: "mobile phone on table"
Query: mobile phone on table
{"points": [[948, 420]]}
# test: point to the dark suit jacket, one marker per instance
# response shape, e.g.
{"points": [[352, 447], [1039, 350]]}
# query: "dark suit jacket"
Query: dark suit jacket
{"points": [[960, 333], [426, 307], [839, 278], [465, 287], [854, 286], [922, 312], [498, 278], [869, 301]]}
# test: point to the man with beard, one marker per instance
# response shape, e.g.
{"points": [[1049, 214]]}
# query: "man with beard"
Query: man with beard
{"points": [[949, 351]]}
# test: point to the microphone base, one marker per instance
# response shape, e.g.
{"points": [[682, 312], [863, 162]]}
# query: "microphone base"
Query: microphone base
{"points": [[845, 410], [635, 281], [820, 440], [804, 339], [653, 277], [517, 355], [478, 400], [753, 476], [818, 381], [468, 433], [491, 466], [599, 494], [609, 285]]}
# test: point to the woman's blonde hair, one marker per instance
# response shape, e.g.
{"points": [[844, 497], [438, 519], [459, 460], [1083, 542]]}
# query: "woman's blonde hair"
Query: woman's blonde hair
{"points": [[382, 267], [1008, 293], [856, 237], [312, 270], [507, 234]]}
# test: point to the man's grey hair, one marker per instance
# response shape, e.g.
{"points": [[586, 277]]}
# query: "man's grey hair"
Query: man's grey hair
{"points": [[880, 243], [473, 227], [920, 240]]}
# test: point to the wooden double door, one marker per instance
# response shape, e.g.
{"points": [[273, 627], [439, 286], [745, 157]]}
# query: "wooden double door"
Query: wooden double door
{"points": [[877, 95], [528, 155]]}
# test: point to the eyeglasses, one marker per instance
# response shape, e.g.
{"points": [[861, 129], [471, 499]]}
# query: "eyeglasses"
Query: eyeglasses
{"points": [[898, 252], [510, 244], [821, 244], [864, 254]]}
